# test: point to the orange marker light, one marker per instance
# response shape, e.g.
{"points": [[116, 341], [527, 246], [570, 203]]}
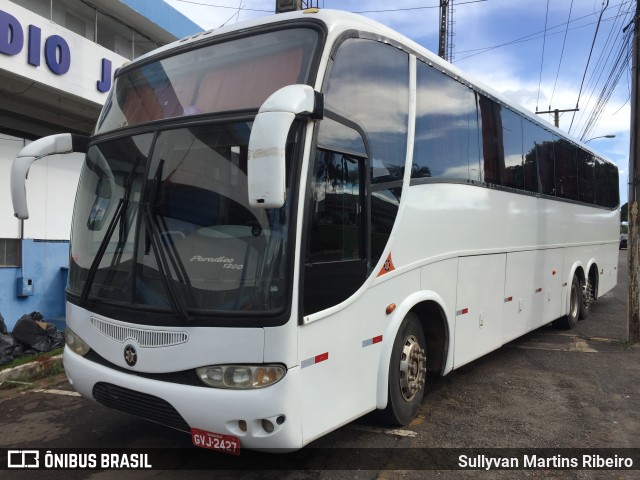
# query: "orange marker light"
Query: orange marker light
{"points": [[390, 308]]}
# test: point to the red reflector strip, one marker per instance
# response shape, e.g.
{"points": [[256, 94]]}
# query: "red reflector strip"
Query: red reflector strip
{"points": [[371, 341], [508, 299], [538, 290], [464, 311], [313, 360]]}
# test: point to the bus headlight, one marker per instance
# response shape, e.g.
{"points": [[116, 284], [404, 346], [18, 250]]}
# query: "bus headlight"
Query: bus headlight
{"points": [[241, 376], [75, 343]]}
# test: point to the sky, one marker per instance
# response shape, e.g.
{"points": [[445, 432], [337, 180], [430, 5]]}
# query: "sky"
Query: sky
{"points": [[503, 44]]}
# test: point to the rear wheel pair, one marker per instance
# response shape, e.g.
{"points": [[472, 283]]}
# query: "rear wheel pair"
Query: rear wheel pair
{"points": [[580, 300]]}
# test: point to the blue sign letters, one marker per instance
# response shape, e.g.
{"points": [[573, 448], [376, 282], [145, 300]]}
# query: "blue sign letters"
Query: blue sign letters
{"points": [[57, 54]]}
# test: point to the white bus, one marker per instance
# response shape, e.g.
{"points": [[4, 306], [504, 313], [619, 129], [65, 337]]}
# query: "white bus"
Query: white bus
{"points": [[283, 224]]}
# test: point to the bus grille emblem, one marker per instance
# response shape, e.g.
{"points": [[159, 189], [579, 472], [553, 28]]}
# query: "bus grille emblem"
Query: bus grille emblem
{"points": [[130, 355]]}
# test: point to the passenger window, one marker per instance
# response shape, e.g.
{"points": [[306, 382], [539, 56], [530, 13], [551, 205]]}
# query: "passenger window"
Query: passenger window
{"points": [[447, 130], [530, 133], [369, 85], [607, 192], [566, 170], [546, 165], [335, 232], [501, 145], [586, 170], [512, 141], [492, 147]]}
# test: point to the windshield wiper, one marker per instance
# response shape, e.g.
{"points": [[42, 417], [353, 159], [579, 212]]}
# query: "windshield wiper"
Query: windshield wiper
{"points": [[161, 250], [175, 298], [118, 215]]}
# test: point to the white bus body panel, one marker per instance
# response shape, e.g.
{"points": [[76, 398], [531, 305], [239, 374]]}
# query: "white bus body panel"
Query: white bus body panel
{"points": [[479, 306], [344, 386], [205, 346], [211, 409]]}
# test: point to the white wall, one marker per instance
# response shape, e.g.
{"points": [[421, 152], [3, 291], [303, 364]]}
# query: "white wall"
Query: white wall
{"points": [[51, 192], [9, 147]]}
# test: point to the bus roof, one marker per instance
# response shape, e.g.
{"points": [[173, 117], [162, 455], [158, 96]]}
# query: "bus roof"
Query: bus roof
{"points": [[339, 21]]}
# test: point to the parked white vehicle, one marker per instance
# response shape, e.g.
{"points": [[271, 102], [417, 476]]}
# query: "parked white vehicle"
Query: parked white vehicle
{"points": [[281, 225]]}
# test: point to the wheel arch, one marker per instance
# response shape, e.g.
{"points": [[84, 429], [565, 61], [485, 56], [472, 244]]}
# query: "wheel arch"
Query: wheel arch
{"points": [[431, 310], [576, 270], [594, 276]]}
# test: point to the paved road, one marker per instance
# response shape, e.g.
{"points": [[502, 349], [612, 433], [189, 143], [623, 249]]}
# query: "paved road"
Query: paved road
{"points": [[549, 389]]}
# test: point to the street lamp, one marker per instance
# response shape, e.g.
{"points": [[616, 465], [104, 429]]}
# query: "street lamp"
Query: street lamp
{"points": [[603, 136]]}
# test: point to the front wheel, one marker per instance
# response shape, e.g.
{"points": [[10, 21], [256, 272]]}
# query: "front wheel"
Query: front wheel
{"points": [[407, 372]]}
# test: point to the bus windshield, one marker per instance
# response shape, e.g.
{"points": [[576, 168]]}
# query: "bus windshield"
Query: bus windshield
{"points": [[235, 75], [162, 220]]}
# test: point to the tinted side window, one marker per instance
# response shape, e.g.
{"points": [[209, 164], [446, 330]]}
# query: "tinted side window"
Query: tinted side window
{"points": [[546, 162], [566, 170], [601, 183], [447, 130], [336, 217], [336, 252], [512, 141], [586, 170], [530, 133], [613, 191], [492, 145], [369, 84]]}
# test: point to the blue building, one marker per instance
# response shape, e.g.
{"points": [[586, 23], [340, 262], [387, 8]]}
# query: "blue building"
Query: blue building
{"points": [[57, 60]]}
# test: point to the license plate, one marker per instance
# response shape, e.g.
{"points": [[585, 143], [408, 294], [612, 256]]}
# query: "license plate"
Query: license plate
{"points": [[215, 441]]}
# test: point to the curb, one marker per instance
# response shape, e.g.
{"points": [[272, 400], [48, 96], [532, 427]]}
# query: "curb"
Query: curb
{"points": [[31, 369]]}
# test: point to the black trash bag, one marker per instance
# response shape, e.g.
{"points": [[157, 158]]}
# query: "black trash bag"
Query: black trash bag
{"points": [[8, 346], [57, 338], [34, 333], [5, 360], [23, 351], [3, 326]]}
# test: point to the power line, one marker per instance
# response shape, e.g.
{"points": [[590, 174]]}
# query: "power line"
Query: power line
{"points": [[620, 65], [544, 43], [224, 6], [415, 8], [610, 62], [535, 35], [595, 35], [360, 11], [564, 42]]}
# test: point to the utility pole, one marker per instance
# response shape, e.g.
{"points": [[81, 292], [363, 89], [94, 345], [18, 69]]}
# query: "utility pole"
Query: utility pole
{"points": [[288, 5], [556, 114], [633, 245], [283, 6], [442, 44]]}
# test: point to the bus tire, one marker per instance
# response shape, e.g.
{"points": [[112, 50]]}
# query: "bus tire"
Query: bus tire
{"points": [[588, 297], [575, 305], [407, 372]]}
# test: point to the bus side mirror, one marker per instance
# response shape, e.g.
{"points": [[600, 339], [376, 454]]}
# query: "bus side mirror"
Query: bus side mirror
{"points": [[51, 145], [266, 166]]}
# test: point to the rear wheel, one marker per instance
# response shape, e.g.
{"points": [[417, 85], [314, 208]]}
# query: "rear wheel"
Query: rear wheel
{"points": [[575, 305], [588, 297], [407, 372]]}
